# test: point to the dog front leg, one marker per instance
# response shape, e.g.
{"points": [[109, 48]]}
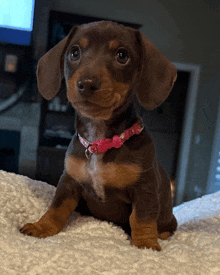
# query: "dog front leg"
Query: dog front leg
{"points": [[145, 211], [144, 234], [64, 203]]}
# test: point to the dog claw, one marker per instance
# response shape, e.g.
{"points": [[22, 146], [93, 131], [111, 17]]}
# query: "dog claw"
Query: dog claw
{"points": [[28, 229], [39, 230], [31, 229]]}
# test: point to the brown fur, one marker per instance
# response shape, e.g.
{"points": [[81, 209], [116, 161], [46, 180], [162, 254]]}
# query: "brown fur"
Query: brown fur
{"points": [[111, 174], [126, 186], [52, 221], [144, 234], [110, 96], [114, 44], [77, 168], [83, 42]]}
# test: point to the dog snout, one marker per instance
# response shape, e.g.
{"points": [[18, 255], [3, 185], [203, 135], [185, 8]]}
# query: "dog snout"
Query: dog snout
{"points": [[87, 86]]}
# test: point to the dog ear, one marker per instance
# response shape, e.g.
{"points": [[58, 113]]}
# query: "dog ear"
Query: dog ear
{"points": [[157, 75], [50, 68]]}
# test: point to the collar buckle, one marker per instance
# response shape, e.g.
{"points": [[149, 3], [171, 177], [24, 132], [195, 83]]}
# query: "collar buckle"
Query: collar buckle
{"points": [[88, 153]]}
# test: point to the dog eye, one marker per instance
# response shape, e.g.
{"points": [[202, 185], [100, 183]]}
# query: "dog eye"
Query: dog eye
{"points": [[122, 56], [74, 53]]}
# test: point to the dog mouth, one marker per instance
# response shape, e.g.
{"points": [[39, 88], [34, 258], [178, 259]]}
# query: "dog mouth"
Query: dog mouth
{"points": [[97, 110], [93, 110], [103, 104], [87, 105], [100, 105]]}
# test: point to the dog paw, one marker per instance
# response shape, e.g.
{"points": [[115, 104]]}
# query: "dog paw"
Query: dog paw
{"points": [[164, 235], [39, 230], [147, 243]]}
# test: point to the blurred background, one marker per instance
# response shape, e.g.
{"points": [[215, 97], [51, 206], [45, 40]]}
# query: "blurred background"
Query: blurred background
{"points": [[34, 133]]}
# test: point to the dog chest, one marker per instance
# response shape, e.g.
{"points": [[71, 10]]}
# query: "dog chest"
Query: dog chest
{"points": [[99, 174]]}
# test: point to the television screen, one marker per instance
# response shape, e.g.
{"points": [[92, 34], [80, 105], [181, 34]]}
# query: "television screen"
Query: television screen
{"points": [[16, 21]]}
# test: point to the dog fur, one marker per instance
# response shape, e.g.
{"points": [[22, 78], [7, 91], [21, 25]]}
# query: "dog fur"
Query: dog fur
{"points": [[105, 65]]}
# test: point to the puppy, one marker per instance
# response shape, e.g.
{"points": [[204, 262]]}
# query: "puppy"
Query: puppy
{"points": [[111, 171]]}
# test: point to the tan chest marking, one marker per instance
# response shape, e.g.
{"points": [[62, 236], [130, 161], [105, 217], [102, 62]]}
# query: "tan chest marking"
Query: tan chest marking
{"points": [[117, 175], [77, 168]]}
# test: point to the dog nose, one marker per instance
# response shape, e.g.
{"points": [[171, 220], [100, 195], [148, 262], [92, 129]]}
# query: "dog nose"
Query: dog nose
{"points": [[88, 85]]}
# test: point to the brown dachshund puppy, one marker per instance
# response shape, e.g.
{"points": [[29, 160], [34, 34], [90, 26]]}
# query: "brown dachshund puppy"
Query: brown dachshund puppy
{"points": [[111, 171]]}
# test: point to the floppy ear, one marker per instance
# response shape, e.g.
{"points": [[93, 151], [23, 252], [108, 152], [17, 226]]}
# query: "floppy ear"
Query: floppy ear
{"points": [[157, 75], [50, 68]]}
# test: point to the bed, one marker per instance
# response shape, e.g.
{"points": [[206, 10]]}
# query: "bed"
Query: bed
{"points": [[90, 246]]}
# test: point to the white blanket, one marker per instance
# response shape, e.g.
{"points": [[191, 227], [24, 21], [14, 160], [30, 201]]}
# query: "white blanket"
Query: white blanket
{"points": [[89, 246]]}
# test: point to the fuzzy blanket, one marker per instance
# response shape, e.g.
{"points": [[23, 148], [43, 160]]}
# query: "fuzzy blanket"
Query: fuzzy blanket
{"points": [[89, 246]]}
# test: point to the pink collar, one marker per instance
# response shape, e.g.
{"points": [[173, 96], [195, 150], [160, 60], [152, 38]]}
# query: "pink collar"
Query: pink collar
{"points": [[102, 145]]}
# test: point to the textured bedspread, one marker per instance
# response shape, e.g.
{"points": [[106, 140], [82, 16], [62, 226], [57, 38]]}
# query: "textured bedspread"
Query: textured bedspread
{"points": [[89, 246]]}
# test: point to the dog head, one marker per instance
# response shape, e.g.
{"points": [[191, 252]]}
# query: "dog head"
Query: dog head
{"points": [[104, 63]]}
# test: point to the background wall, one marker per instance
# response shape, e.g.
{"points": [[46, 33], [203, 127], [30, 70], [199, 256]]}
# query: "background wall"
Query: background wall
{"points": [[185, 31]]}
